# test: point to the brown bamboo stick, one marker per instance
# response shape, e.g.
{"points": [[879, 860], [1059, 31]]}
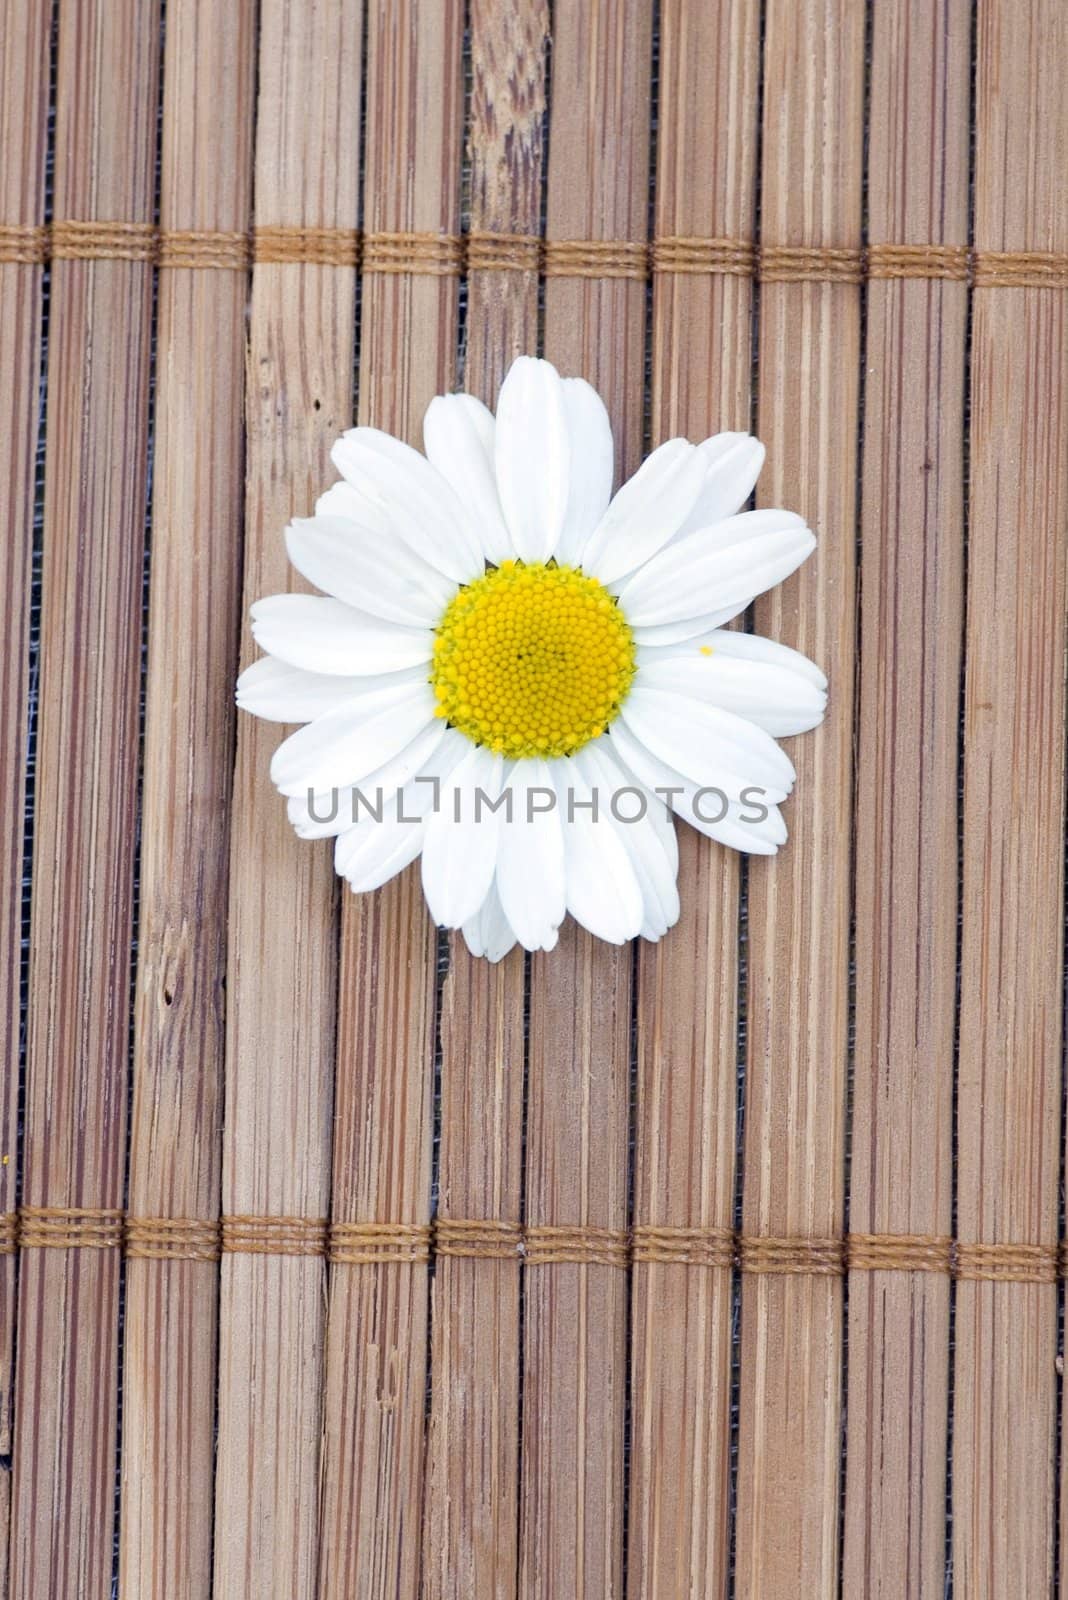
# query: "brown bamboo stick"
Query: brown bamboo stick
{"points": [[373, 1482], [24, 36], [575, 1375], [281, 984], [787, 1530], [175, 1149], [688, 985], [86, 798], [505, 140], [1008, 1134], [471, 1523], [906, 824]]}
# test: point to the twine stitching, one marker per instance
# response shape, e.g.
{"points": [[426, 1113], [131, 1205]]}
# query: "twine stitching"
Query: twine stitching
{"points": [[172, 1239], [324, 247], [112, 241], [368, 1243], [273, 1235], [950, 261], [595, 258], [484, 1240], [9, 1232], [545, 1244], [375, 1243], [766, 1253], [704, 1247], [70, 1228], [1015, 1263], [687, 256], [449, 255], [804, 263], [879, 1252], [25, 242], [503, 252], [436, 255]]}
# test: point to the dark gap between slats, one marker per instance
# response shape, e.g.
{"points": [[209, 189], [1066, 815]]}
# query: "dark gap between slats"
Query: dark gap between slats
{"points": [[742, 1002], [966, 435], [528, 960], [640, 949], [443, 950], [521, 1320], [739, 1179], [467, 67], [851, 990]]}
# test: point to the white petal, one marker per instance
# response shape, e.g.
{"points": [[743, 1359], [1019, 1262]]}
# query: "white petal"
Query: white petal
{"points": [[752, 823], [717, 567], [646, 512], [644, 827], [530, 857], [344, 745], [488, 933], [413, 495], [776, 698], [458, 435], [342, 500], [422, 793], [707, 745], [460, 849], [590, 468], [603, 892], [666, 633], [531, 453], [662, 821], [754, 647], [373, 572], [732, 467], [383, 842], [332, 811], [277, 692], [372, 853], [322, 634]]}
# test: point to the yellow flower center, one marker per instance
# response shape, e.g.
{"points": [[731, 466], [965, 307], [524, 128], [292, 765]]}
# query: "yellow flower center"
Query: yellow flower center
{"points": [[532, 660]]}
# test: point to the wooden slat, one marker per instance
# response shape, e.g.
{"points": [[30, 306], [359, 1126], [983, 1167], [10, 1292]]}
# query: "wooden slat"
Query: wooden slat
{"points": [[24, 37], [281, 970], [575, 1373], [87, 756], [373, 1483], [176, 1117], [1008, 1135], [687, 998], [906, 825], [506, 139], [809, 358], [471, 1521]]}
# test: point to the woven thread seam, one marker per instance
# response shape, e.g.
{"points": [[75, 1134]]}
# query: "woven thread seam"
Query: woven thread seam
{"points": [[277, 1236], [374, 1243], [9, 1232], [370, 1243], [69, 1227], [449, 255]]}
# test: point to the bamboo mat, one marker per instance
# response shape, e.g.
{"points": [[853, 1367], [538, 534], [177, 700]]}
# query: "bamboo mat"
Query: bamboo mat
{"points": [[335, 1264]]}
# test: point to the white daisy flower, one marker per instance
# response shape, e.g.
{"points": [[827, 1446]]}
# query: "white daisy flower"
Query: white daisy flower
{"points": [[518, 676]]}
